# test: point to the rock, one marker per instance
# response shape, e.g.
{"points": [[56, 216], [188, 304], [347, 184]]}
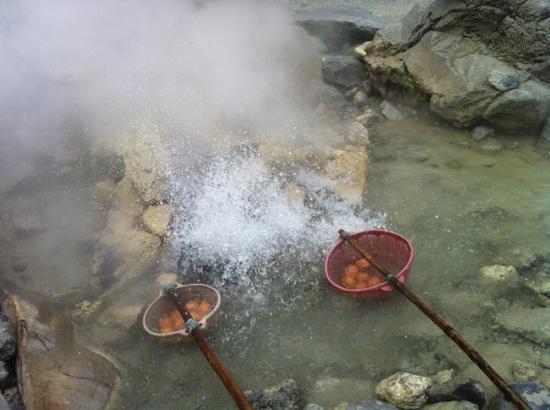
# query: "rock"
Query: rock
{"points": [[338, 26], [296, 195], [523, 371], [452, 405], [498, 273], [544, 137], [121, 317], [529, 324], [503, 81], [491, 145], [354, 133], [404, 390], [536, 396], [458, 389], [368, 118], [329, 97], [8, 339], [335, 390], [348, 172], [313, 406], [4, 405], [4, 376], [366, 405], [541, 288], [284, 396], [343, 71], [417, 155], [276, 157], [145, 161], [480, 133], [391, 112], [489, 162], [449, 52], [156, 219], [360, 98], [60, 372], [104, 191]]}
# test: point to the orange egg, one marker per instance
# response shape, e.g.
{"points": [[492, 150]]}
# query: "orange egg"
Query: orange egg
{"points": [[352, 270], [362, 276], [361, 284], [204, 309], [348, 281], [193, 305], [374, 280], [362, 263]]}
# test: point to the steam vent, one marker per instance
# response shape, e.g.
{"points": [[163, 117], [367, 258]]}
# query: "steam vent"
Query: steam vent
{"points": [[275, 205]]}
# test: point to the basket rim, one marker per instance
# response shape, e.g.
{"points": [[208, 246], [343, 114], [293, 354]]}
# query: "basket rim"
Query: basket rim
{"points": [[181, 332], [382, 285]]}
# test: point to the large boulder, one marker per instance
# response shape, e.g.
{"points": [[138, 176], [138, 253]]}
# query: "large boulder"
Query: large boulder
{"points": [[338, 26], [449, 51], [55, 369], [343, 71]]}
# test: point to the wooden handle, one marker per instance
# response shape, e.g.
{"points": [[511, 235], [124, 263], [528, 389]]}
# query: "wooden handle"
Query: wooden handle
{"points": [[211, 357], [497, 380]]}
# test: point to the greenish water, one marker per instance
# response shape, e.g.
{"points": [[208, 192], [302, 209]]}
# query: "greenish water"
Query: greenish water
{"points": [[461, 207]]}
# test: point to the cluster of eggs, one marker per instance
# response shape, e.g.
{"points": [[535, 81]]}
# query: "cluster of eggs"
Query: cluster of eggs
{"points": [[361, 274], [173, 321]]}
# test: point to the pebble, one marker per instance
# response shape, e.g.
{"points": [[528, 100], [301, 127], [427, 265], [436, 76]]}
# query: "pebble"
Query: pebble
{"points": [[391, 112], [458, 389], [481, 132], [491, 145], [498, 273], [523, 371], [404, 390]]}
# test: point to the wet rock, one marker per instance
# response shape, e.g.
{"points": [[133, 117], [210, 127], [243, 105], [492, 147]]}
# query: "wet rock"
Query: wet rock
{"points": [[368, 118], [417, 155], [355, 133], [4, 405], [313, 406], [529, 324], [523, 371], [360, 98], [452, 405], [338, 26], [366, 405], [8, 339], [13, 399], [458, 389], [536, 396], [391, 112], [491, 145], [343, 71], [296, 195], [156, 219], [329, 97], [334, 390], [404, 390], [480, 133], [277, 157], [284, 396], [541, 288], [104, 191], [503, 81], [348, 172], [144, 161], [489, 162], [121, 317], [498, 273], [544, 137], [4, 376], [60, 372]]}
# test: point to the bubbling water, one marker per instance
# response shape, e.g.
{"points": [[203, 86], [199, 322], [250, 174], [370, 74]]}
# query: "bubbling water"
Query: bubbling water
{"points": [[237, 217]]}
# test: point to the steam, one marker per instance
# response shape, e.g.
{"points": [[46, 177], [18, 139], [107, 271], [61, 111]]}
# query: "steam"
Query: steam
{"points": [[107, 65]]}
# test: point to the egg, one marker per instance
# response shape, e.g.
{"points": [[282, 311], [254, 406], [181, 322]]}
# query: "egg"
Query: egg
{"points": [[374, 280], [348, 281], [352, 270], [362, 263], [362, 276], [204, 309], [361, 284]]}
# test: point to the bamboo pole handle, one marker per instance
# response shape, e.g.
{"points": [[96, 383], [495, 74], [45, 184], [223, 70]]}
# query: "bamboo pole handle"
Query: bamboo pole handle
{"points": [[211, 357], [497, 380]]}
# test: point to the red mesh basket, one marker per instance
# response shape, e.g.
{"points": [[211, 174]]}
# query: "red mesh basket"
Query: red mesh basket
{"points": [[389, 249]]}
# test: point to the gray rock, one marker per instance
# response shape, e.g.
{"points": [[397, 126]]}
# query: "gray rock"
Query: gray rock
{"points": [[458, 389], [284, 396], [4, 375], [339, 26], [404, 390], [492, 145], [452, 405], [503, 81], [523, 371], [544, 137], [417, 155], [360, 98], [480, 133], [536, 396], [8, 339], [391, 112], [343, 71], [366, 405], [443, 376], [529, 324], [540, 286], [313, 406]]}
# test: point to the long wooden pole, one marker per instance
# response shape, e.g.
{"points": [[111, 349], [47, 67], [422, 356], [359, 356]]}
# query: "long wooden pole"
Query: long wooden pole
{"points": [[510, 394], [213, 360]]}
